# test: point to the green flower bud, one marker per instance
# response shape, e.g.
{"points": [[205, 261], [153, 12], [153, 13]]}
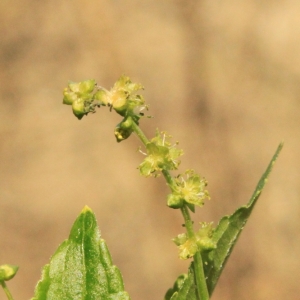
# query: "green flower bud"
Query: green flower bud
{"points": [[174, 201], [74, 87], [7, 272], [103, 97], [83, 87], [127, 123], [123, 130], [69, 97], [80, 96], [78, 109], [120, 102], [204, 237], [86, 87]]}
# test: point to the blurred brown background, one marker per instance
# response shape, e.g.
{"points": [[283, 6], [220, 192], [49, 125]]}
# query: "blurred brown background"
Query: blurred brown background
{"points": [[223, 77]]}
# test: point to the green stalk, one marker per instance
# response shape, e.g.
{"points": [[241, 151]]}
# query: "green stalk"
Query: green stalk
{"points": [[168, 178], [198, 264], [139, 133], [6, 290], [200, 277], [188, 221]]}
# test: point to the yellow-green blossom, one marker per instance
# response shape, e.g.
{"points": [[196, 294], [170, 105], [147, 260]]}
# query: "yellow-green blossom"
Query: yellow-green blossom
{"points": [[122, 96], [190, 189], [204, 237], [80, 96], [86, 95], [124, 129], [188, 249], [161, 155], [7, 272], [202, 241]]}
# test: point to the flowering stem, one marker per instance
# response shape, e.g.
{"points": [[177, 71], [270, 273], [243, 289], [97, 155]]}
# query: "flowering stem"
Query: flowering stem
{"points": [[200, 277], [168, 178], [6, 290], [198, 264], [187, 221]]}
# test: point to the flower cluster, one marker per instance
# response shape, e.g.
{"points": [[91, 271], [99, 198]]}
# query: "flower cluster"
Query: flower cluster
{"points": [[80, 96], [86, 95], [161, 155], [190, 191], [187, 190], [122, 96], [202, 241]]}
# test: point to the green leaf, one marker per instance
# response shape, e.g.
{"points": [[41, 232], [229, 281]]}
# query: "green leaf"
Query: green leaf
{"points": [[81, 268], [228, 231], [184, 287]]}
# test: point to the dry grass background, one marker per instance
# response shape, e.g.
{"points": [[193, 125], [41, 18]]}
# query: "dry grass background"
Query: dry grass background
{"points": [[221, 76]]}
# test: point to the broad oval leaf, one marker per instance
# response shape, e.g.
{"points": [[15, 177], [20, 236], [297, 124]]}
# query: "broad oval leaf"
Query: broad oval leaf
{"points": [[81, 268]]}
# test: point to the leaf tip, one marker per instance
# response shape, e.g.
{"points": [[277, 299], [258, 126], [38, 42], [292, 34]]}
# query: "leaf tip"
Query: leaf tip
{"points": [[86, 209], [280, 146]]}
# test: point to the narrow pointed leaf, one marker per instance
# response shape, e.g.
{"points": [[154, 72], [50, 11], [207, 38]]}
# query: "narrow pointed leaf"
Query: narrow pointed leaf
{"points": [[81, 268], [228, 231]]}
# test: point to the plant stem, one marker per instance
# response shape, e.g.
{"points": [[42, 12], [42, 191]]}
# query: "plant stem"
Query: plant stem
{"points": [[6, 290], [188, 221], [140, 133], [198, 264], [168, 178], [200, 277]]}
